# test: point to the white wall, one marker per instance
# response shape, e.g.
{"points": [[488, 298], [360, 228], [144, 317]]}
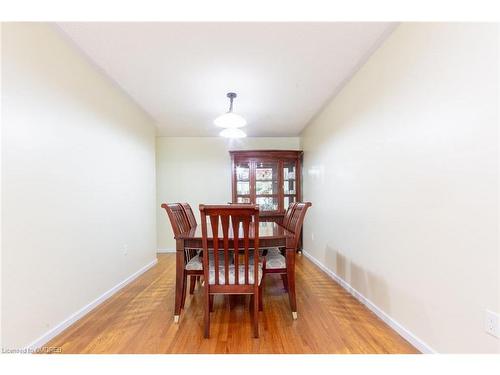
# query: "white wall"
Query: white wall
{"points": [[401, 168], [78, 181], [198, 170]]}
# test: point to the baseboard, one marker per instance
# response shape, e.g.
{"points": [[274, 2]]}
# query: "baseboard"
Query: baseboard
{"points": [[167, 250], [86, 309], [402, 331]]}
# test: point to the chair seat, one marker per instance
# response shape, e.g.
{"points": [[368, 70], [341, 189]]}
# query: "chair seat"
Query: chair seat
{"points": [[232, 269], [273, 251], [274, 260], [196, 263]]}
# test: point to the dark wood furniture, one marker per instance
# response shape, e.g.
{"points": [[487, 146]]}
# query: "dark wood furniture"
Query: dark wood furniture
{"points": [[270, 234], [191, 263], [230, 273], [288, 215], [275, 261], [269, 178], [285, 223], [192, 223], [189, 214]]}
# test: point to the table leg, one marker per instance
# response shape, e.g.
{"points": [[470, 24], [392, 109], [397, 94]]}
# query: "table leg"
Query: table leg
{"points": [[290, 275], [179, 278]]}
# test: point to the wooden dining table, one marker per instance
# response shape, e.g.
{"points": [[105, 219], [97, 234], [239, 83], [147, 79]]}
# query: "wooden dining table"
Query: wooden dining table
{"points": [[271, 234]]}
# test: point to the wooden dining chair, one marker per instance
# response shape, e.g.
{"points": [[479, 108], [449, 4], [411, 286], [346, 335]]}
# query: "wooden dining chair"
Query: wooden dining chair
{"points": [[192, 223], [193, 266], [273, 254], [231, 228], [275, 261]]}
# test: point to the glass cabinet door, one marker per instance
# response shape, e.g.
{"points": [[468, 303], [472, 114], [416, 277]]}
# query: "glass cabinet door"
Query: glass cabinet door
{"points": [[243, 182], [266, 185], [289, 183]]}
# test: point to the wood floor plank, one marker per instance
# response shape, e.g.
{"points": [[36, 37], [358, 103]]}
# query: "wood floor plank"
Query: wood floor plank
{"points": [[139, 319]]}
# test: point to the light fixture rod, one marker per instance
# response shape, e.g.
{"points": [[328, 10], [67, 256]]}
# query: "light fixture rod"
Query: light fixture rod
{"points": [[231, 96]]}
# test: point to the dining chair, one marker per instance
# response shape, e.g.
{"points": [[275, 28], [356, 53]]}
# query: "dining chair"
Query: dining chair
{"points": [[193, 266], [238, 224], [275, 252], [275, 261], [192, 223]]}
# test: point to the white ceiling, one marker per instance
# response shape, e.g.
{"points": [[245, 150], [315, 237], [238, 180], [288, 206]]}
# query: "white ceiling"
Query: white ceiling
{"points": [[180, 73]]}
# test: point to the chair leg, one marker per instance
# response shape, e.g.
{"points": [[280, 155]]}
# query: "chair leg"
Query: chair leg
{"points": [[207, 314], [183, 300], [290, 269], [285, 281], [179, 277], [261, 296], [211, 302], [256, 314], [192, 283]]}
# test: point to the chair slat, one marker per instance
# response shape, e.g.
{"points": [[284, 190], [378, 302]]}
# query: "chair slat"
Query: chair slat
{"points": [[235, 221], [288, 214], [246, 236], [189, 214], [214, 223], [225, 234], [256, 249]]}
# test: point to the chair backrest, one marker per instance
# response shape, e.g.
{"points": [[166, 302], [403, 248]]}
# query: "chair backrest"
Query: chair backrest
{"points": [[177, 216], [180, 224], [235, 225], [288, 214], [189, 214], [297, 219]]}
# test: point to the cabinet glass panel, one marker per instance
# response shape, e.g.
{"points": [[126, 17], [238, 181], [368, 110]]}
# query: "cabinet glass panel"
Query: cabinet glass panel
{"points": [[289, 178], [243, 171], [266, 183], [243, 187], [243, 200], [267, 203], [289, 187], [266, 171], [266, 187], [288, 199]]}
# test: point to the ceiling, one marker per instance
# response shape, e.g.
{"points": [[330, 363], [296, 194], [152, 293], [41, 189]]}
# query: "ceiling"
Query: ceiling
{"points": [[180, 73]]}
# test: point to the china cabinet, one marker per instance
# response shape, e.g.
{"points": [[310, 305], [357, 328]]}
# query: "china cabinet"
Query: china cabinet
{"points": [[269, 178]]}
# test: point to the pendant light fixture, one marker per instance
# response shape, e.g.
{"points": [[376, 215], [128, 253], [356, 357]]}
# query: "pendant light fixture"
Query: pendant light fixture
{"points": [[230, 120], [233, 133]]}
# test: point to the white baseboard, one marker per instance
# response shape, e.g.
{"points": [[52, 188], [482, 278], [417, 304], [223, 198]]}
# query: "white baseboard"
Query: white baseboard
{"points": [[86, 309], [405, 333], [167, 250]]}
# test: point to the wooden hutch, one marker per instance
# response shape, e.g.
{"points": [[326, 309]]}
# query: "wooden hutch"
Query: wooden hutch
{"points": [[269, 178]]}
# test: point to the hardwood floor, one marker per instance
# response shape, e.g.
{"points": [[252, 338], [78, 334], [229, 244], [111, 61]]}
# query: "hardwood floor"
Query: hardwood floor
{"points": [[139, 319]]}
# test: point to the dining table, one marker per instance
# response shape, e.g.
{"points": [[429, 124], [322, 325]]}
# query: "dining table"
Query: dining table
{"points": [[271, 234]]}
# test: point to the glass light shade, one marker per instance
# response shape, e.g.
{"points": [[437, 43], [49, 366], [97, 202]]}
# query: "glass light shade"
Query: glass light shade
{"points": [[230, 120], [232, 133]]}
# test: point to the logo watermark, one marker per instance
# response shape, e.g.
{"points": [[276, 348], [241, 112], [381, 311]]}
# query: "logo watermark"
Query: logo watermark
{"points": [[40, 350]]}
